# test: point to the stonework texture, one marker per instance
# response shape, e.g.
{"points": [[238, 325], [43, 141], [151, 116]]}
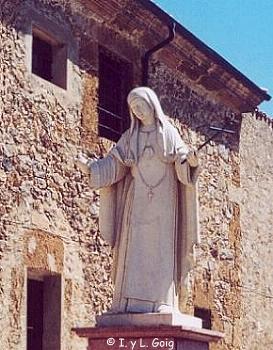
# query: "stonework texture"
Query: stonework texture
{"points": [[256, 229], [49, 215]]}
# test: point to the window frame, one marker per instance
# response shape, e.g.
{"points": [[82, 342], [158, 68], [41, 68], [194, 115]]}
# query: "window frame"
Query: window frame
{"points": [[61, 31]]}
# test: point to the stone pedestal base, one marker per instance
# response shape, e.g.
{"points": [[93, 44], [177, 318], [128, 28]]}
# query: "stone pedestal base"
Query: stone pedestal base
{"points": [[148, 338], [149, 319]]}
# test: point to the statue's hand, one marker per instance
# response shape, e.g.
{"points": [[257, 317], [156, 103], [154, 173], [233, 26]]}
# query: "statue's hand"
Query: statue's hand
{"points": [[192, 159], [81, 162]]}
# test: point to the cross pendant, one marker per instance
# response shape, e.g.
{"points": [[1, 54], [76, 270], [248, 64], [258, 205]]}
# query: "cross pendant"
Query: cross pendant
{"points": [[150, 194]]}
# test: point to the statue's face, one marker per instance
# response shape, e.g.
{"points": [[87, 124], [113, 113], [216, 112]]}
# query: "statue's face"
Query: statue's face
{"points": [[143, 111]]}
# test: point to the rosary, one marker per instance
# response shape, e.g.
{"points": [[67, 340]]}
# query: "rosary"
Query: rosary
{"points": [[150, 187], [149, 149]]}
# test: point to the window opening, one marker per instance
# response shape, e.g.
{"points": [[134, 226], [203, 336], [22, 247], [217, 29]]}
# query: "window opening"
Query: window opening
{"points": [[114, 85], [49, 58]]}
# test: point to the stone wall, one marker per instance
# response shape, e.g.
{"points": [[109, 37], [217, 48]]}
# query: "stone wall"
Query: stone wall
{"points": [[48, 214], [256, 195]]}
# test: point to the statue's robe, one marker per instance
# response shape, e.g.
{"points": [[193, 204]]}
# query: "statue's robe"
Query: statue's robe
{"points": [[152, 235]]}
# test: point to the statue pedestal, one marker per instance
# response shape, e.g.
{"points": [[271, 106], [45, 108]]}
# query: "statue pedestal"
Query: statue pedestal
{"points": [[148, 337], [148, 319]]}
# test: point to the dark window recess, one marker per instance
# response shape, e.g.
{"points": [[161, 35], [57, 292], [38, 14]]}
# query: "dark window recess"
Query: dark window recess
{"points": [[42, 58], [35, 314], [114, 85], [49, 58], [205, 315]]}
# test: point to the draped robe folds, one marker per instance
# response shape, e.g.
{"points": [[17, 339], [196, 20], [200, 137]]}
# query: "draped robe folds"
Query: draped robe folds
{"points": [[152, 237]]}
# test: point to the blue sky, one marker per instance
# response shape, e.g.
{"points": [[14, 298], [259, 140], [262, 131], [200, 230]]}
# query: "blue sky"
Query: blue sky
{"points": [[239, 30]]}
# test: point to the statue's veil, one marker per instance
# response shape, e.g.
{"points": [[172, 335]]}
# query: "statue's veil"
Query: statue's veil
{"points": [[163, 127], [151, 98]]}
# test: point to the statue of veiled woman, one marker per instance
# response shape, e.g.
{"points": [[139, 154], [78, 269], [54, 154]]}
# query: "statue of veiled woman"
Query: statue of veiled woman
{"points": [[148, 208]]}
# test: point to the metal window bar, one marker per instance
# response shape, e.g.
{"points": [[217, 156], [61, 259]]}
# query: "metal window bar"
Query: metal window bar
{"points": [[110, 129], [107, 127], [111, 113]]}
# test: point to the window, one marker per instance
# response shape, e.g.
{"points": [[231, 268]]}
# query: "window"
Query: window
{"points": [[43, 312], [49, 58], [114, 85], [205, 315]]}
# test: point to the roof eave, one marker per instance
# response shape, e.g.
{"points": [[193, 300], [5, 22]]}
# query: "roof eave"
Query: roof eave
{"points": [[208, 51]]}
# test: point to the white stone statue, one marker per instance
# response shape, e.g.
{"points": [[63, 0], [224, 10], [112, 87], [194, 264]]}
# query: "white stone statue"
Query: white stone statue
{"points": [[148, 208]]}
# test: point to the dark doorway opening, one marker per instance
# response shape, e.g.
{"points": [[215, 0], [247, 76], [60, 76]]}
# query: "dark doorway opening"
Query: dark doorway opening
{"points": [[35, 312], [44, 311]]}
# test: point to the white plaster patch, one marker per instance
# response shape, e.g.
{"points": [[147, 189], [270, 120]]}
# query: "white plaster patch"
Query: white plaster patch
{"points": [[32, 244], [51, 262]]}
